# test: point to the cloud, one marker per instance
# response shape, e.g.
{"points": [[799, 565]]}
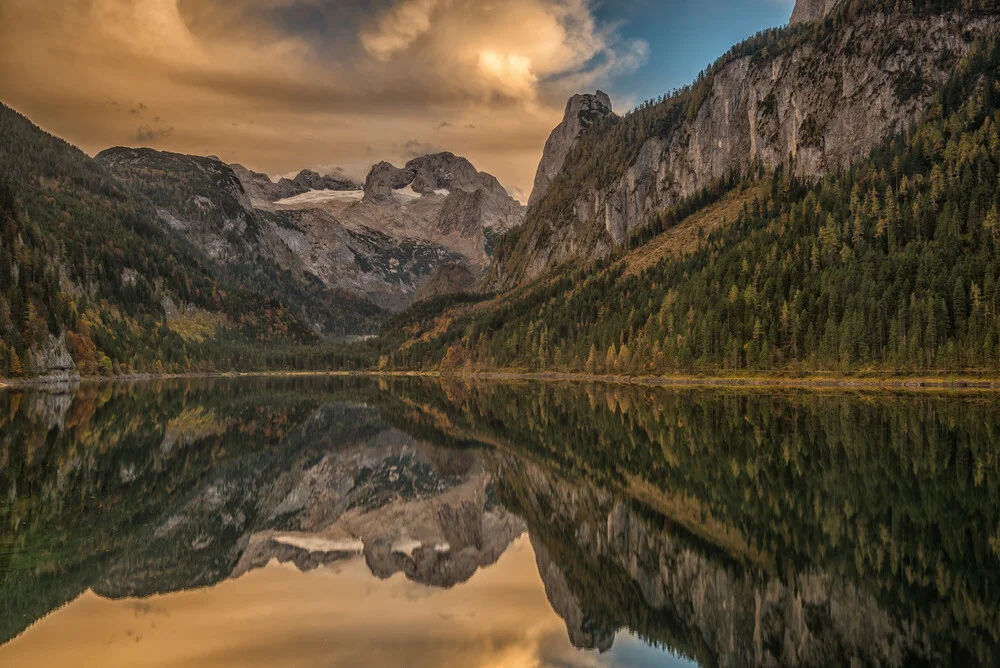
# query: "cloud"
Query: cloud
{"points": [[280, 84], [355, 173], [518, 194], [414, 148], [146, 134], [399, 27]]}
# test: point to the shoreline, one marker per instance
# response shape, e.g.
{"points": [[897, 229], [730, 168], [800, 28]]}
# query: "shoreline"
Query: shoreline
{"points": [[814, 382], [817, 382]]}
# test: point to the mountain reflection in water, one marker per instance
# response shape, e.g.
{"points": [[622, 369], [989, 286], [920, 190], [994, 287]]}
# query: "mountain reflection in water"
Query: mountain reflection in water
{"points": [[352, 521], [331, 616]]}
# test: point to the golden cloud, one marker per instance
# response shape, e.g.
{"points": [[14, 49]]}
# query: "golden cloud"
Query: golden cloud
{"points": [[284, 84]]}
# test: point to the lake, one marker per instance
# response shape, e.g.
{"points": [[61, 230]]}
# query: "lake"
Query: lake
{"points": [[352, 521]]}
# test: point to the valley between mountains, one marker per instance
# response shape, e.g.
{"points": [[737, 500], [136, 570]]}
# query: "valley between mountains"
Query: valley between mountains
{"points": [[823, 198]]}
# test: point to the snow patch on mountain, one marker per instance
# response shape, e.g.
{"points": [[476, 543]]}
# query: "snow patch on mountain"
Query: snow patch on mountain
{"points": [[321, 196], [405, 195], [320, 544]]}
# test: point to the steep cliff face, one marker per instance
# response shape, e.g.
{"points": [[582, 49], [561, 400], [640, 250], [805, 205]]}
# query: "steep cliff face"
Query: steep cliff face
{"points": [[816, 100], [582, 112], [812, 10], [54, 361], [261, 189]]}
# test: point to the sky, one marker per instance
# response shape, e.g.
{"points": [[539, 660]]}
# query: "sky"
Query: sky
{"points": [[338, 85]]}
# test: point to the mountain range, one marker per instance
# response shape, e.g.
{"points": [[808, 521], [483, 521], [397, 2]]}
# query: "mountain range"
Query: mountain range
{"points": [[862, 130], [821, 199], [143, 260], [378, 242]]}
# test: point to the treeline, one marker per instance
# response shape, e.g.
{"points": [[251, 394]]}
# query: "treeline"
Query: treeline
{"points": [[889, 265]]}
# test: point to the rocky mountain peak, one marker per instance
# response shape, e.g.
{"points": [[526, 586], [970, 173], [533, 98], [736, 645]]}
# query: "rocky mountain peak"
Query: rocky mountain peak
{"points": [[262, 190], [383, 178], [311, 180], [443, 171], [587, 108], [811, 10], [426, 175], [582, 112]]}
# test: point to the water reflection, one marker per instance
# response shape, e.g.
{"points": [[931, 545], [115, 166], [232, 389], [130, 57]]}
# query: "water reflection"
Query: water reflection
{"points": [[727, 528], [276, 616]]}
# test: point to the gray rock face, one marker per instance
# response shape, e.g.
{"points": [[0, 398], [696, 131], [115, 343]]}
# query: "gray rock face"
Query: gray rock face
{"points": [[436, 210], [812, 10], [351, 248], [55, 362], [378, 249], [261, 189], [310, 180], [821, 107], [582, 112]]}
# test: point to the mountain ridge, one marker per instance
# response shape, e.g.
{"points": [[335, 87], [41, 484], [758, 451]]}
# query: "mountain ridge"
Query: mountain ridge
{"points": [[379, 242], [886, 266], [789, 97]]}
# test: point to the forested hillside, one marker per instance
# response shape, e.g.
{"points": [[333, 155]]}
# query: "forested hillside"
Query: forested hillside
{"points": [[890, 264], [92, 281], [812, 98]]}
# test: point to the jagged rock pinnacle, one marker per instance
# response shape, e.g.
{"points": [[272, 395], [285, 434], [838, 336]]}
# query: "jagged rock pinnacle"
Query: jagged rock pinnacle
{"points": [[582, 111]]}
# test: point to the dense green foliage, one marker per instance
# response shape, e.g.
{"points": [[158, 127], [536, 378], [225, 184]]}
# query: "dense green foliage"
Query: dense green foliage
{"points": [[889, 265]]}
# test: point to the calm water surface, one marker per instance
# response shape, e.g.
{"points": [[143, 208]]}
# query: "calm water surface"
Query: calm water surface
{"points": [[358, 522]]}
